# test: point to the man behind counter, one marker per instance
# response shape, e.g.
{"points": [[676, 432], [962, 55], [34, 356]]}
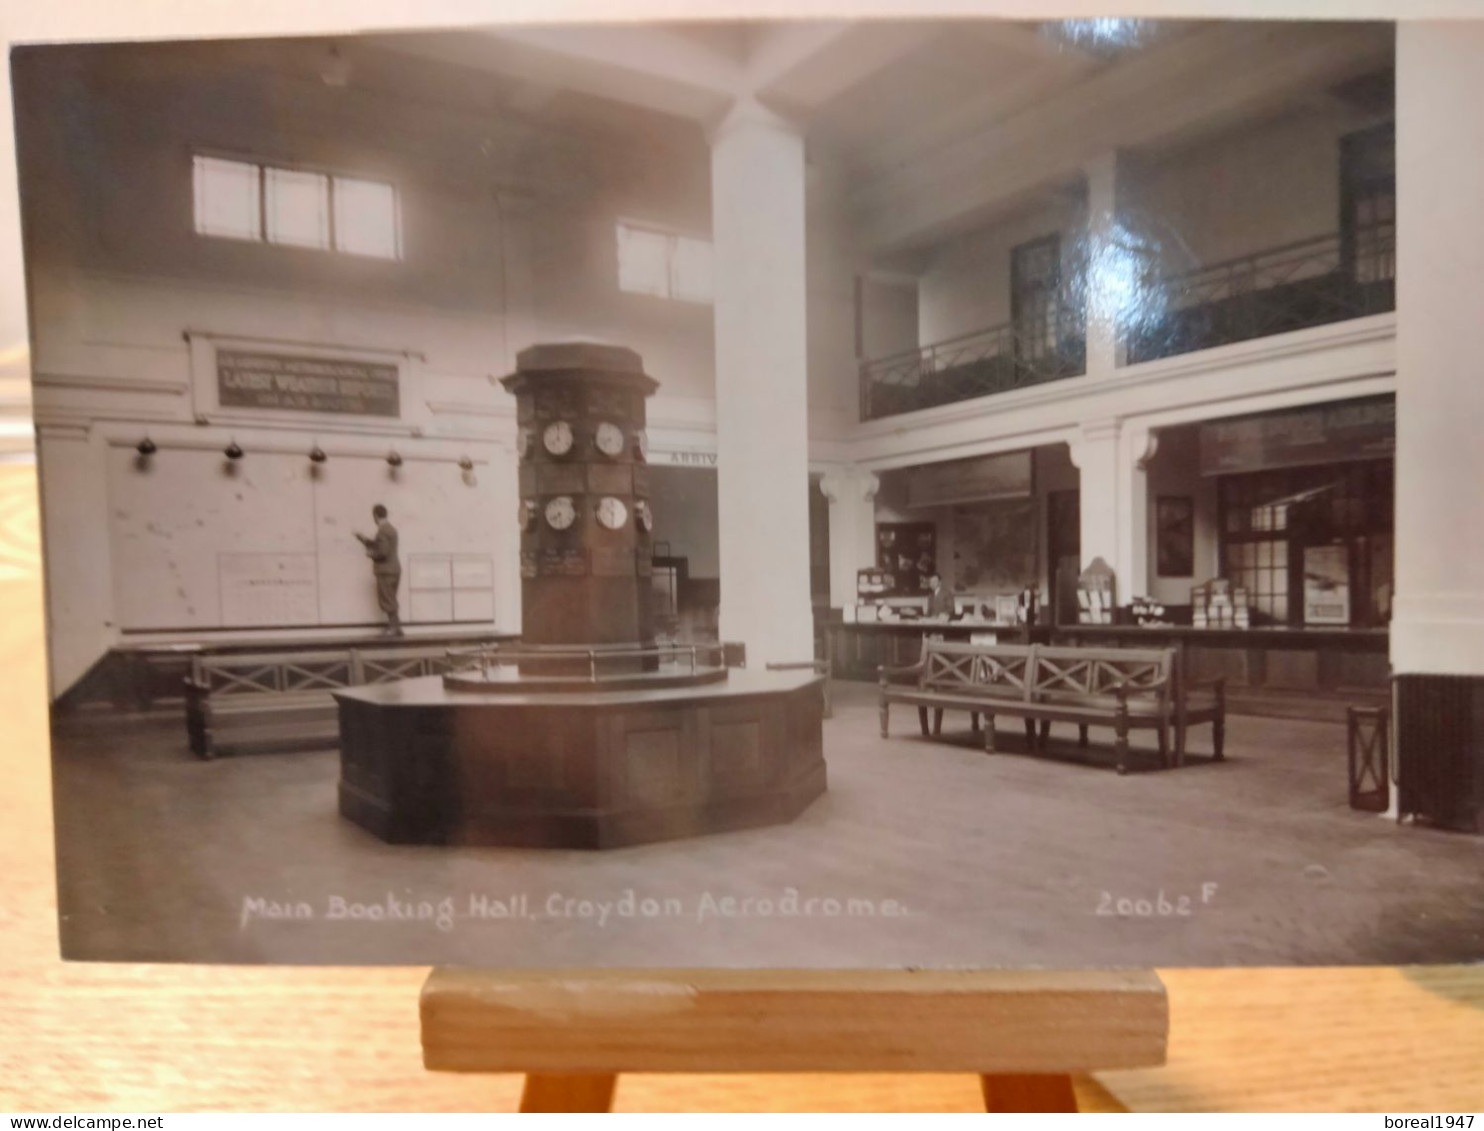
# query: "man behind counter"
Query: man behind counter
{"points": [[940, 601]]}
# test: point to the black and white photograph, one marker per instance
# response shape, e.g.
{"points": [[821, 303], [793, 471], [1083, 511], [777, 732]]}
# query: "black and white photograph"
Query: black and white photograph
{"points": [[957, 493]]}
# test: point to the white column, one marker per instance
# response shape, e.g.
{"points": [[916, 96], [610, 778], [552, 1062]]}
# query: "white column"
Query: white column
{"points": [[1136, 446], [757, 206], [1108, 270], [1095, 452], [1438, 613], [852, 495]]}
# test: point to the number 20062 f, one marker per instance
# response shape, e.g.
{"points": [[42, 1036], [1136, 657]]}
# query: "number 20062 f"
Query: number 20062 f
{"points": [[1160, 906]]}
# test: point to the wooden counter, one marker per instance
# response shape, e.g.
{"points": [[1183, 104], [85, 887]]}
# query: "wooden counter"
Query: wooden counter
{"points": [[1289, 659], [857, 650]]}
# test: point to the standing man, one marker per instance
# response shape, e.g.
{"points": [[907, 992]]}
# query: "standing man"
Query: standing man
{"points": [[940, 602], [386, 566]]}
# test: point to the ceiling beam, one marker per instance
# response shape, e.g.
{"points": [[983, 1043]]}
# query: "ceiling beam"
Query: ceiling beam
{"points": [[647, 66], [1215, 75], [799, 68]]}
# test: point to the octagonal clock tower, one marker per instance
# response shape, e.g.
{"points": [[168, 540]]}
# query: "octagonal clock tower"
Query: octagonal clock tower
{"points": [[585, 518]]}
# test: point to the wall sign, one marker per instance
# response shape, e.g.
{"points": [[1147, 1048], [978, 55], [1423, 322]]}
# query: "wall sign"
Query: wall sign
{"points": [[300, 383], [1006, 476], [1333, 433]]}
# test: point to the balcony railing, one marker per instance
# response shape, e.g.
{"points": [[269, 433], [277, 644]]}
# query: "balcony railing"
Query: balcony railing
{"points": [[1293, 287], [973, 365]]}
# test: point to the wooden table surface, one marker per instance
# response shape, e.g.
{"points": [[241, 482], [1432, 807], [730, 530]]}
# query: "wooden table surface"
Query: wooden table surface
{"points": [[93, 1037]]}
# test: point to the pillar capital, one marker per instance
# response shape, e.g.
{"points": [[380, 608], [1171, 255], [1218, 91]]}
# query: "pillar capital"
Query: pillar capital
{"points": [[850, 485]]}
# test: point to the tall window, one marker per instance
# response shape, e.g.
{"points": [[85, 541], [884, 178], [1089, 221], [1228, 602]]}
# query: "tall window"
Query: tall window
{"points": [[296, 208], [1035, 280], [652, 261], [1368, 204]]}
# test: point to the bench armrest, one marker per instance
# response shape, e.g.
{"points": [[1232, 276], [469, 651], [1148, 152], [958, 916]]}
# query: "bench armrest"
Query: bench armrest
{"points": [[884, 673]]}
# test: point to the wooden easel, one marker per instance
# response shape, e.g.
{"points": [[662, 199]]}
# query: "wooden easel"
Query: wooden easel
{"points": [[1023, 1032]]}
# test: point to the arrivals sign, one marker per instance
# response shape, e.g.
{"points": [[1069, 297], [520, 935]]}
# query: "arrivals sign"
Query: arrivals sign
{"points": [[1332, 433], [300, 383]]}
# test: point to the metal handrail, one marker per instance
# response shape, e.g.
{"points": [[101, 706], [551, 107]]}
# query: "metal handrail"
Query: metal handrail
{"points": [[484, 655]]}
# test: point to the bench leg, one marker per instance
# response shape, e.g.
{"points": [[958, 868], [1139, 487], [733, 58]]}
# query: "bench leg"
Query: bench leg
{"points": [[989, 734], [938, 721], [974, 722], [1030, 733], [1045, 733], [1120, 744], [1218, 737], [922, 720], [885, 718], [1164, 747], [1082, 734]]}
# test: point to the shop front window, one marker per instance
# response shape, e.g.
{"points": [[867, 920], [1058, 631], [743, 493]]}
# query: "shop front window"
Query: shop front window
{"points": [[1273, 522]]}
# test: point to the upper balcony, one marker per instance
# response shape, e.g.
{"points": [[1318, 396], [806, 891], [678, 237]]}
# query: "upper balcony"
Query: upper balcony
{"points": [[1294, 287], [972, 365], [1297, 286]]}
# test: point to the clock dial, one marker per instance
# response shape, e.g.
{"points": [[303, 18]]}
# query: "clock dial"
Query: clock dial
{"points": [[612, 513], [527, 514], [523, 442], [609, 439], [561, 512], [558, 438], [641, 442], [644, 515]]}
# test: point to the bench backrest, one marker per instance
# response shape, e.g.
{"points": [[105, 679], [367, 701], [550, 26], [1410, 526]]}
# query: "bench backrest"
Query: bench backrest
{"points": [[1097, 671], [965, 667]]}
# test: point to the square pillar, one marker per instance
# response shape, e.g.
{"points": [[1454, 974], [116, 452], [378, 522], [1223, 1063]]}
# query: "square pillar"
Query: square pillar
{"points": [[1437, 630], [1113, 458], [762, 439], [852, 495]]}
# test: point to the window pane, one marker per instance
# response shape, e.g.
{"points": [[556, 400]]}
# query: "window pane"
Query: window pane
{"points": [[227, 199], [643, 261], [366, 221], [691, 270], [298, 208]]}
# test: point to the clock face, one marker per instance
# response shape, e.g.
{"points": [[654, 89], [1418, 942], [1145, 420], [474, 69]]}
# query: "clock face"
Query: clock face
{"points": [[609, 439], [644, 515], [641, 441], [560, 512], [527, 514], [523, 442], [612, 513], [558, 438]]}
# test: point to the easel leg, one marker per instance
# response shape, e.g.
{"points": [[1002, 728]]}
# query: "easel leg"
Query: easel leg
{"points": [[1028, 1093], [567, 1092]]}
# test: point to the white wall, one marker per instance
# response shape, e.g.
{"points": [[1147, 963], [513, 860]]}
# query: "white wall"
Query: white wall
{"points": [[1267, 184], [889, 312], [966, 285]]}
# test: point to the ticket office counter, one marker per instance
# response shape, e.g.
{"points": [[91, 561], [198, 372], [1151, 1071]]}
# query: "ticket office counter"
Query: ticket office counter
{"points": [[1332, 660]]}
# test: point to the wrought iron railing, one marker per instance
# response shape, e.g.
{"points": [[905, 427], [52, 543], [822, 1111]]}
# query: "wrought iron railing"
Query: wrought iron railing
{"points": [[1005, 357], [1300, 285]]}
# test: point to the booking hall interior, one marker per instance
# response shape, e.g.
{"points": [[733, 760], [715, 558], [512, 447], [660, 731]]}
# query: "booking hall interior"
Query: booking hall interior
{"points": [[1065, 342]]}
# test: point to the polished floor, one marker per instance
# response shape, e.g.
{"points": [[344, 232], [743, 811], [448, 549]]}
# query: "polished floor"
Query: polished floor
{"points": [[923, 853]]}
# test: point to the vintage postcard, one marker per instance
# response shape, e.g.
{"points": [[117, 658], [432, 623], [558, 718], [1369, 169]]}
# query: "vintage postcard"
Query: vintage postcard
{"points": [[817, 494]]}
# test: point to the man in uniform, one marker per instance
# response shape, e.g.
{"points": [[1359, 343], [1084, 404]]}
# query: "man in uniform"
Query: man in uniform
{"points": [[386, 566]]}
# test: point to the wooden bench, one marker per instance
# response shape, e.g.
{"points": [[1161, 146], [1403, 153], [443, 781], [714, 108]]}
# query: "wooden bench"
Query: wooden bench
{"points": [[1123, 688], [263, 702]]}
